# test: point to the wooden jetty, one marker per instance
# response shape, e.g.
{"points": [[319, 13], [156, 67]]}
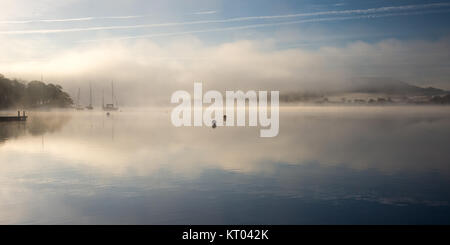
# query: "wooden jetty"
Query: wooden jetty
{"points": [[14, 118]]}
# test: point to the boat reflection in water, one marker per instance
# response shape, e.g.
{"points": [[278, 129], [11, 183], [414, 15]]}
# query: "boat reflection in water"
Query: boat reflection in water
{"points": [[328, 165]]}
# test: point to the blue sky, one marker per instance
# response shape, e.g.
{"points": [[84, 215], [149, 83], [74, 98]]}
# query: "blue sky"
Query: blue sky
{"points": [[334, 22], [326, 40]]}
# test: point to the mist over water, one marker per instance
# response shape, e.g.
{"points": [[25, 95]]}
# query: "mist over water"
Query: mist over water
{"points": [[328, 165]]}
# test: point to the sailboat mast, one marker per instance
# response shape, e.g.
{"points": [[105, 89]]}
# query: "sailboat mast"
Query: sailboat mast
{"points": [[90, 94], [42, 89], [112, 92], [78, 97]]}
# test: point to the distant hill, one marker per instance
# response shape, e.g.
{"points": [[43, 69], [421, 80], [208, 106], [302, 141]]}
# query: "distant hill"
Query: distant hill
{"points": [[389, 86], [385, 86]]}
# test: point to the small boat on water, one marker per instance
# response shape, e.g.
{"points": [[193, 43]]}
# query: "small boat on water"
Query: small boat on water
{"points": [[78, 107], [111, 106], [90, 107]]}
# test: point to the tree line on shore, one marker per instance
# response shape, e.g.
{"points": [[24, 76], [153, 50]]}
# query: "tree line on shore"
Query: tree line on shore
{"points": [[35, 94]]}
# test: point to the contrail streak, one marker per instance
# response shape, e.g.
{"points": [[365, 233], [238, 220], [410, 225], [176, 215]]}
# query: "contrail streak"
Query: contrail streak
{"points": [[267, 25], [340, 12], [69, 20], [206, 12]]}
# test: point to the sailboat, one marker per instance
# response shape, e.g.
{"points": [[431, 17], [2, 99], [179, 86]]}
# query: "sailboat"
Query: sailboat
{"points": [[90, 107], [110, 107], [78, 106]]}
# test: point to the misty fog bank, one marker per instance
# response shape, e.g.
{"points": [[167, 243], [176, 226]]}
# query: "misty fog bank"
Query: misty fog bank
{"points": [[147, 73]]}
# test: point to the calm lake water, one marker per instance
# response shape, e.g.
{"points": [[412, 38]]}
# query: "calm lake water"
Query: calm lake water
{"points": [[328, 165]]}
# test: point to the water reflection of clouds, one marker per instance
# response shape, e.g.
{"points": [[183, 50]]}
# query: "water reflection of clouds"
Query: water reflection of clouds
{"points": [[37, 125], [388, 139], [94, 169]]}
